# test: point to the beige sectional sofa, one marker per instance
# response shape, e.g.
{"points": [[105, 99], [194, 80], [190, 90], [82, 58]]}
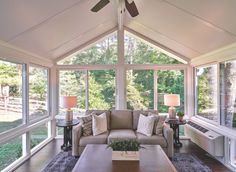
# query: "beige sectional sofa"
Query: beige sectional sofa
{"points": [[122, 125]]}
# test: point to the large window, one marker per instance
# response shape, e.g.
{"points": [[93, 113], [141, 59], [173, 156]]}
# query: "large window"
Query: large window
{"points": [[10, 152], [170, 82], [206, 92], [139, 89], [38, 135], [138, 51], [228, 93], [73, 83], [101, 89], [10, 95], [102, 52], [38, 92]]}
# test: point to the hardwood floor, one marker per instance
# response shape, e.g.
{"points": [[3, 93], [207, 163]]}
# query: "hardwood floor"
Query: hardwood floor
{"points": [[190, 147], [37, 162]]}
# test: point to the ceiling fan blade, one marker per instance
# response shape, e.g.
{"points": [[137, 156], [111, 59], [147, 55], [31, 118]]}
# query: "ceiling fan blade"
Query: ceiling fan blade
{"points": [[100, 5], [131, 8]]}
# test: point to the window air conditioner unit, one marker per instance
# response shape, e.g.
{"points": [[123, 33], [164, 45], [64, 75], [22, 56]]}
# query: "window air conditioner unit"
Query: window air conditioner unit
{"points": [[208, 140]]}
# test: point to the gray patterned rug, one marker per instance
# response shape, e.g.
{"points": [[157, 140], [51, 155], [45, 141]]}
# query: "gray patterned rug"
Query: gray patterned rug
{"points": [[62, 162], [65, 162], [184, 162]]}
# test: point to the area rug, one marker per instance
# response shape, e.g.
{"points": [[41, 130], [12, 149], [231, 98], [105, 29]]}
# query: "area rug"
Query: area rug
{"points": [[62, 162], [184, 162]]}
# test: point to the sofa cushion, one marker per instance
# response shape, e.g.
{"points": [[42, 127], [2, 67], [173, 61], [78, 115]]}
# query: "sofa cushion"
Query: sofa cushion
{"points": [[99, 139], [145, 124], [99, 112], [121, 119], [152, 140], [136, 114], [122, 134]]}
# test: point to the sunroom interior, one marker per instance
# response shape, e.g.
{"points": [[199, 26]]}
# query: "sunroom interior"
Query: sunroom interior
{"points": [[110, 60]]}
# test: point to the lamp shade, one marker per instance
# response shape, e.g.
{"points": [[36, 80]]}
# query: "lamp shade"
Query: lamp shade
{"points": [[171, 100], [68, 101]]}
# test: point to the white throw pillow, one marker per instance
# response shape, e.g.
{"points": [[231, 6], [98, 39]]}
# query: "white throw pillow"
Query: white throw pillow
{"points": [[99, 124], [145, 125]]}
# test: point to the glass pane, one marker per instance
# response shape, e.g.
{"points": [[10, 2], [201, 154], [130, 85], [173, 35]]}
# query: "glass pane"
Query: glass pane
{"points": [[170, 82], [10, 95], [38, 135], [228, 93], [38, 92], [206, 88], [102, 89], [103, 52], [10, 152], [73, 83], [138, 51], [139, 89]]}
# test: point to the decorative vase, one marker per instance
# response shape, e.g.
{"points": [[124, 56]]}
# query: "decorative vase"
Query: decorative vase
{"points": [[125, 155]]}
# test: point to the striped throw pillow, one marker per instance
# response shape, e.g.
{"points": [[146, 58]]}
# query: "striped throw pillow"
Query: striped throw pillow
{"points": [[86, 125]]}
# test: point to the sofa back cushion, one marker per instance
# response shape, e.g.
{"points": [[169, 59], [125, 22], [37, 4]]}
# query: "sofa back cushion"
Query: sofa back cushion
{"points": [[121, 119], [99, 112], [136, 114]]}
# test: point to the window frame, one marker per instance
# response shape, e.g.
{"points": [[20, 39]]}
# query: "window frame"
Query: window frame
{"points": [[48, 94], [196, 94]]}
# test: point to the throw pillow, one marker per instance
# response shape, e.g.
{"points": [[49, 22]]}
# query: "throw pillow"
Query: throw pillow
{"points": [[145, 125], [156, 117], [99, 124], [160, 124], [86, 125]]}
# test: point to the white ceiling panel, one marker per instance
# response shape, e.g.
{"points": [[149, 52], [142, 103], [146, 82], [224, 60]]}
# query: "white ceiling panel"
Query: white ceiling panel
{"points": [[217, 12], [65, 27], [180, 27], [17, 16]]}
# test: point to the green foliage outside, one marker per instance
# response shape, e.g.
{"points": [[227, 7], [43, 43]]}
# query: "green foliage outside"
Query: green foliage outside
{"points": [[9, 152]]}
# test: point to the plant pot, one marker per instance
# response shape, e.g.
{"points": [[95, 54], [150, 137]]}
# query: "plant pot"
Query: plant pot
{"points": [[125, 155], [181, 118]]}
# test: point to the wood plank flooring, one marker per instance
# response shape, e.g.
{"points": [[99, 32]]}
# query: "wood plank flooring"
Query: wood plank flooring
{"points": [[38, 161]]}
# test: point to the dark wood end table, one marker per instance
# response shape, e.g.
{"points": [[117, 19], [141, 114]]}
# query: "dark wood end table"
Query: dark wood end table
{"points": [[174, 124], [67, 145]]}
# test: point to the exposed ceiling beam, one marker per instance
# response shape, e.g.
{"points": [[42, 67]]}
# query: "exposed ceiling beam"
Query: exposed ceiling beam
{"points": [[120, 20]]}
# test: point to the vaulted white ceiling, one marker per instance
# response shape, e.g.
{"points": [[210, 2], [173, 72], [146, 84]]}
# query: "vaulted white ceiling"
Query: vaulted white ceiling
{"points": [[52, 28]]}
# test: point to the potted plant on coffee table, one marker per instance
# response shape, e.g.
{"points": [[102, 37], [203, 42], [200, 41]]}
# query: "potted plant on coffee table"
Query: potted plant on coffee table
{"points": [[180, 115], [125, 150]]}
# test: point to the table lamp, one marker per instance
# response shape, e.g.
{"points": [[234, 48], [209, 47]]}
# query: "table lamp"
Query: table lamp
{"points": [[68, 102], [172, 100]]}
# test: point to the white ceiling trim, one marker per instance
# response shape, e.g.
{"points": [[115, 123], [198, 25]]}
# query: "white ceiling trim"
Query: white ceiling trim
{"points": [[11, 52], [163, 48], [86, 44], [223, 54]]}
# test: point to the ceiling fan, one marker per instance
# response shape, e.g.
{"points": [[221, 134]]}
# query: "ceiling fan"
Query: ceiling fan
{"points": [[131, 7]]}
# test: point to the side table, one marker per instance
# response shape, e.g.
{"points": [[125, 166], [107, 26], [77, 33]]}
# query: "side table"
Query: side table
{"points": [[174, 124], [67, 145]]}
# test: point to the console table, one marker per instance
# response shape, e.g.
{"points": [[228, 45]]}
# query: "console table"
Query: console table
{"points": [[67, 145], [174, 124]]}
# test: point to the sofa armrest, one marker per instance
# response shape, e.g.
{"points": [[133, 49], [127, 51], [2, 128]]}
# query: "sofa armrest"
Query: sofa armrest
{"points": [[168, 134], [76, 134]]}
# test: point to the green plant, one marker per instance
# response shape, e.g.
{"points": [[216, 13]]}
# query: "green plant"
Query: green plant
{"points": [[180, 114], [125, 145]]}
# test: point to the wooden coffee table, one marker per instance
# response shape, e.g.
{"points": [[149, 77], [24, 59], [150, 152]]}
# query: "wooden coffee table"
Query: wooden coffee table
{"points": [[97, 158]]}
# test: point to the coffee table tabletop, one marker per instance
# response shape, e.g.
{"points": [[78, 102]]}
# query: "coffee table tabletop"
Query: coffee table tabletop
{"points": [[97, 158]]}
